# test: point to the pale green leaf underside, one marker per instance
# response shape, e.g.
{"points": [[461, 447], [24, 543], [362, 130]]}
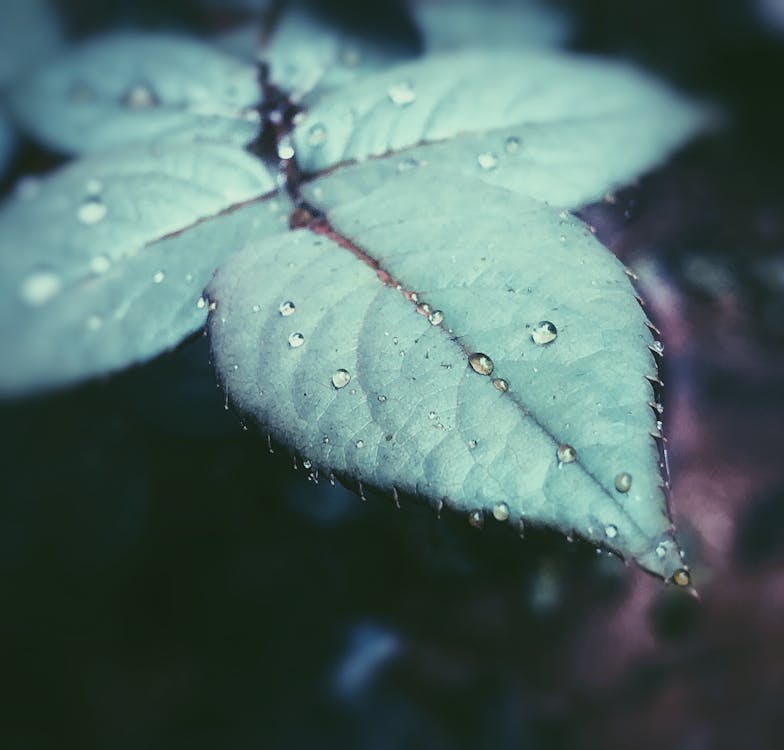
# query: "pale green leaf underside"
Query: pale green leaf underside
{"points": [[102, 264], [415, 416], [130, 87], [560, 128]]}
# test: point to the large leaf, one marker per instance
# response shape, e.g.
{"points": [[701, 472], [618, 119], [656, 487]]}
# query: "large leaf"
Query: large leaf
{"points": [[103, 265], [447, 25], [312, 338], [560, 128], [129, 87]]}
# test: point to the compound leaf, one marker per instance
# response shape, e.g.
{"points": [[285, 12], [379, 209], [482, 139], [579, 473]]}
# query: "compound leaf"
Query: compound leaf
{"points": [[103, 263], [557, 127], [518, 392], [130, 87]]}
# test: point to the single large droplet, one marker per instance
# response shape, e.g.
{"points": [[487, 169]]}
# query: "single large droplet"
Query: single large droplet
{"points": [[296, 340], [501, 511], [341, 378], [661, 550], [402, 94], [487, 160], [481, 363], [623, 482], [92, 210], [544, 332], [39, 287], [611, 531], [317, 135], [501, 385], [140, 96], [566, 454], [436, 317], [286, 308], [159, 277], [285, 149]]}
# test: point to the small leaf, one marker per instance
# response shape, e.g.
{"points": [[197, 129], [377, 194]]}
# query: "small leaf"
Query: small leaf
{"points": [[559, 128], [308, 56], [103, 265], [471, 408], [30, 33], [129, 87], [449, 25]]}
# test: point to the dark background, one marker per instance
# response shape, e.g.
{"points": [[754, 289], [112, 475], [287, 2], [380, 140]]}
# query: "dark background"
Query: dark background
{"points": [[166, 582]]}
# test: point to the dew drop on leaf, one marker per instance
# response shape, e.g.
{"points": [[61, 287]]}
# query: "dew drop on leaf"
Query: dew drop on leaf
{"points": [[94, 322], [402, 94], [159, 277], [91, 211], [436, 317], [566, 454], [100, 264], [623, 482], [487, 160], [476, 519], [341, 378], [200, 303], [296, 340], [681, 577], [39, 287], [255, 308], [286, 308], [661, 550], [512, 144], [140, 96], [611, 531], [544, 332], [360, 443], [317, 135], [501, 385], [382, 398], [424, 309], [481, 363], [501, 511]]}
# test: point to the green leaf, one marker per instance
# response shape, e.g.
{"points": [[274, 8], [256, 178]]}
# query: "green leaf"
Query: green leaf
{"points": [[30, 33], [560, 128], [103, 264], [312, 338], [128, 87]]}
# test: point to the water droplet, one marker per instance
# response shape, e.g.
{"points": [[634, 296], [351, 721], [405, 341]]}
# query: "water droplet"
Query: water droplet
{"points": [[200, 303], [487, 160], [402, 94], [296, 340], [432, 415], [325, 440], [501, 385], [91, 211], [544, 332], [611, 531], [408, 164], [382, 398], [255, 308], [472, 444], [40, 286], [681, 577], [566, 454], [341, 378], [94, 322], [317, 135], [481, 363], [657, 348], [512, 144], [212, 306], [501, 511], [100, 264], [424, 309], [140, 96], [159, 277], [360, 443], [286, 308], [436, 317], [307, 463], [285, 150], [661, 550], [623, 482]]}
